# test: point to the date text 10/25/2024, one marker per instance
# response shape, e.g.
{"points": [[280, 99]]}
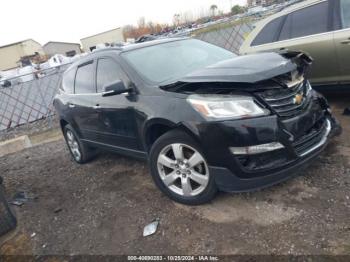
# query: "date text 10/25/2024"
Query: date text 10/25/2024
{"points": [[173, 258]]}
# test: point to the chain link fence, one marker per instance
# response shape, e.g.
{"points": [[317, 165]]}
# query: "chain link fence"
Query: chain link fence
{"points": [[230, 37], [26, 102]]}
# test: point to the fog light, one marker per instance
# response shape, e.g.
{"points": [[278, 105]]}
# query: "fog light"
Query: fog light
{"points": [[256, 149]]}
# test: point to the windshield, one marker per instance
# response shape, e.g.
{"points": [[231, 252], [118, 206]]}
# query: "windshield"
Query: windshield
{"points": [[170, 61]]}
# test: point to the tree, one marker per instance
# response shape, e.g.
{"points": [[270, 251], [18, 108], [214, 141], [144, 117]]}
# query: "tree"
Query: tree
{"points": [[129, 31], [176, 19], [213, 9], [152, 27], [186, 17], [237, 9], [141, 22], [143, 28]]}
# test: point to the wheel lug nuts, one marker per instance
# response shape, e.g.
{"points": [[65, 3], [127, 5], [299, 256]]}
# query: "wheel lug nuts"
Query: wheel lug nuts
{"points": [[178, 172], [189, 172], [176, 166], [183, 175]]}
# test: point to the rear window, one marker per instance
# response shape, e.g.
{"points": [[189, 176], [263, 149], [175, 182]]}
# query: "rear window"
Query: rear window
{"points": [[345, 13], [269, 33], [84, 80], [68, 81], [307, 21]]}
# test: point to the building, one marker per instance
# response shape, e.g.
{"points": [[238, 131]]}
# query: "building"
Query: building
{"points": [[112, 36], [68, 49], [12, 55]]}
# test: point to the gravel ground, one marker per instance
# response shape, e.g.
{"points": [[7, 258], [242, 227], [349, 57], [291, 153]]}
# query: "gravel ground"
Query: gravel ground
{"points": [[102, 207]]}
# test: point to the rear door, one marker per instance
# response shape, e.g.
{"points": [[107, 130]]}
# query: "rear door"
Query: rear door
{"points": [[66, 97], [310, 30], [83, 100], [342, 40]]}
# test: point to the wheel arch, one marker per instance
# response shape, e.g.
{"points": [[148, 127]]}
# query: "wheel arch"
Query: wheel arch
{"points": [[63, 123], [157, 127]]}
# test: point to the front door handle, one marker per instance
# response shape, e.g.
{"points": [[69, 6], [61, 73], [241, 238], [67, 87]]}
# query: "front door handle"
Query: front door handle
{"points": [[97, 106], [71, 105], [345, 42]]}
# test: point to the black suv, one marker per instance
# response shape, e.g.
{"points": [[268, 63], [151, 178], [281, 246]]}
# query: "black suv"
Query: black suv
{"points": [[205, 119]]}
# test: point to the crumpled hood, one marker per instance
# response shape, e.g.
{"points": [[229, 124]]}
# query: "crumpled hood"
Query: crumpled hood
{"points": [[244, 69]]}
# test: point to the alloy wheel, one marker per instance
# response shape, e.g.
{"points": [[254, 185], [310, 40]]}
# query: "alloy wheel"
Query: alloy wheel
{"points": [[183, 169], [73, 145]]}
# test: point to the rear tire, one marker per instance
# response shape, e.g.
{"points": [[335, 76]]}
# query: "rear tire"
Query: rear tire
{"points": [[179, 169], [79, 151]]}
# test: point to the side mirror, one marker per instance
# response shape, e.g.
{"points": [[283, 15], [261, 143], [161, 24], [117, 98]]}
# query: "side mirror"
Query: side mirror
{"points": [[115, 88]]}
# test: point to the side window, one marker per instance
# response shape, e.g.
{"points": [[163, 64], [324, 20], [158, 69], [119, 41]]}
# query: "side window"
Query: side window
{"points": [[108, 71], [68, 81], [269, 33], [307, 21], [345, 13], [286, 29], [84, 79]]}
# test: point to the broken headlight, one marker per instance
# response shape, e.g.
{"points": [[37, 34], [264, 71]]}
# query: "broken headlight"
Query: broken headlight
{"points": [[226, 107]]}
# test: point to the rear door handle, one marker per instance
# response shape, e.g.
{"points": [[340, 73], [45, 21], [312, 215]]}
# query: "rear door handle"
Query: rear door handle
{"points": [[71, 105], [97, 106]]}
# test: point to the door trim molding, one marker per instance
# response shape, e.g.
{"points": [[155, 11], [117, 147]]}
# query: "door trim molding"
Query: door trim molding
{"points": [[119, 149]]}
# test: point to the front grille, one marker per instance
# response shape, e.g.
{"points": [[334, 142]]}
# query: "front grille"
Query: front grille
{"points": [[313, 138], [285, 101]]}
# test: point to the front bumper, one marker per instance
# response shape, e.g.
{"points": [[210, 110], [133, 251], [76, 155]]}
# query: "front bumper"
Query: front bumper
{"points": [[228, 182], [245, 173]]}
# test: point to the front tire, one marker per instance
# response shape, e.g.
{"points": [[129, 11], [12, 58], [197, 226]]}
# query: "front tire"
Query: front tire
{"points": [[80, 152], [180, 170]]}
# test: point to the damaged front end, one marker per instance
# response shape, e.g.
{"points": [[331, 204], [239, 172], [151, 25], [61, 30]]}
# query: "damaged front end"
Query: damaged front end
{"points": [[246, 73], [290, 124]]}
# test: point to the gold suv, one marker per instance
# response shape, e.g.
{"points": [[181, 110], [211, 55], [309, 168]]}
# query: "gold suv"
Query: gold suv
{"points": [[319, 28]]}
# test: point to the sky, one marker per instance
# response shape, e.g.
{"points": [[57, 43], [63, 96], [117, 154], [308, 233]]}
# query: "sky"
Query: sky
{"points": [[71, 20]]}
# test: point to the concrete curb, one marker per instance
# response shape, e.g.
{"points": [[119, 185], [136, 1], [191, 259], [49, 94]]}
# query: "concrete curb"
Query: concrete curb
{"points": [[22, 142], [14, 145]]}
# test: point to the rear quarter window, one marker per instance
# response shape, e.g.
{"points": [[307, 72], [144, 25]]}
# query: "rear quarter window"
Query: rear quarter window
{"points": [[84, 79], [345, 13], [68, 81]]}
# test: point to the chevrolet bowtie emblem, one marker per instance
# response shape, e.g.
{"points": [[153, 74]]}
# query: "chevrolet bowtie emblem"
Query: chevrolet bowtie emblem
{"points": [[298, 99]]}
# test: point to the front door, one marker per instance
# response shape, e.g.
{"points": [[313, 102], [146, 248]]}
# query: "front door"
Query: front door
{"points": [[116, 114], [342, 41]]}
